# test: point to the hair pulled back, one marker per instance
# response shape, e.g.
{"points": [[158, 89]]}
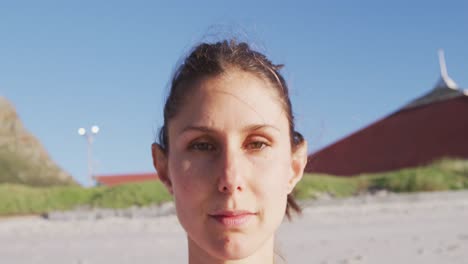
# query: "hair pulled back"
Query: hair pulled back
{"points": [[213, 59]]}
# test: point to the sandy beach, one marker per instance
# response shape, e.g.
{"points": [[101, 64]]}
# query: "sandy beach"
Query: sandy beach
{"points": [[424, 228]]}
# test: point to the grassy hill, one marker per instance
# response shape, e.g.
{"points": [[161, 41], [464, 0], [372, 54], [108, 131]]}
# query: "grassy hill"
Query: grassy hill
{"points": [[23, 160], [445, 174], [16, 199]]}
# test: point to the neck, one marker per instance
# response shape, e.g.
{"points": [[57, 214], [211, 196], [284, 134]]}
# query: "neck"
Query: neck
{"points": [[263, 255]]}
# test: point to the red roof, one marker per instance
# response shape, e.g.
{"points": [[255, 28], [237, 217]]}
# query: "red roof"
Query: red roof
{"points": [[410, 137], [111, 180]]}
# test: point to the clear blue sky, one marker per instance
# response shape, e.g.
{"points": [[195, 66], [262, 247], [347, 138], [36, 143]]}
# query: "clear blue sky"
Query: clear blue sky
{"points": [[348, 63]]}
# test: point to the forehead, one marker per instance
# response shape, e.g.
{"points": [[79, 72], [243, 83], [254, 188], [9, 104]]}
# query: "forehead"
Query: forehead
{"points": [[236, 96], [238, 83]]}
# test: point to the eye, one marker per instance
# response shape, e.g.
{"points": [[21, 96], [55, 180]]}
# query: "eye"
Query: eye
{"points": [[257, 145], [202, 146]]}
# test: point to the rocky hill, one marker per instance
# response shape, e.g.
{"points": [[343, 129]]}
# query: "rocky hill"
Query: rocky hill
{"points": [[22, 157]]}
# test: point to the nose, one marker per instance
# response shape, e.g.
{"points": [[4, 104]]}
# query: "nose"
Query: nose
{"points": [[230, 178]]}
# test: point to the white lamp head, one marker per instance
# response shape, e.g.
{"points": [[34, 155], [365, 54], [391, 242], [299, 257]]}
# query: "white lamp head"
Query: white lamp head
{"points": [[81, 131], [95, 129]]}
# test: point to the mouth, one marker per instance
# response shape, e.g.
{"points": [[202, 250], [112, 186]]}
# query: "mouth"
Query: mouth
{"points": [[234, 218]]}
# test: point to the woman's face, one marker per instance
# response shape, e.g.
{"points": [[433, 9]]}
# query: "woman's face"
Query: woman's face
{"points": [[229, 164]]}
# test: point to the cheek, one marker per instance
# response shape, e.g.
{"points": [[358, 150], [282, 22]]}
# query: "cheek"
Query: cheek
{"points": [[271, 191], [189, 190], [273, 171], [190, 179], [270, 179]]}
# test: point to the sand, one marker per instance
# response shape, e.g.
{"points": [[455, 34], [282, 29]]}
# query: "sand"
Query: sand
{"points": [[424, 228]]}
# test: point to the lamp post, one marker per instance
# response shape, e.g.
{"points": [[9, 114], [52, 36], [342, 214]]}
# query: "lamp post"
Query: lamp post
{"points": [[89, 139]]}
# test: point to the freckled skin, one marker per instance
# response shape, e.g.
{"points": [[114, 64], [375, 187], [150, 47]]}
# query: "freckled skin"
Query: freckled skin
{"points": [[240, 159]]}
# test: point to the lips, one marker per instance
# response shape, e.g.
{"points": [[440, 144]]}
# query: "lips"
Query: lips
{"points": [[236, 218]]}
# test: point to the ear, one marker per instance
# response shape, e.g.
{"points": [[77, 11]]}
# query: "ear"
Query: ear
{"points": [[298, 163], [160, 164]]}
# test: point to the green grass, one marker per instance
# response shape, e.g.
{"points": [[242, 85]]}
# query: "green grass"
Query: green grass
{"points": [[16, 199], [122, 196], [313, 185], [446, 174], [20, 199], [438, 176]]}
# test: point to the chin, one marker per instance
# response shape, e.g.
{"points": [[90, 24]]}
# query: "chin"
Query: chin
{"points": [[234, 247], [232, 250]]}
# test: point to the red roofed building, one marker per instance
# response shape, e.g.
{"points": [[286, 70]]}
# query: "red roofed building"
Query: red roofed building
{"points": [[111, 180], [431, 127]]}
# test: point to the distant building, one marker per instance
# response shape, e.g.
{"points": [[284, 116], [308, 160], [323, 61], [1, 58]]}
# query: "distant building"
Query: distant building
{"points": [[430, 127], [111, 180]]}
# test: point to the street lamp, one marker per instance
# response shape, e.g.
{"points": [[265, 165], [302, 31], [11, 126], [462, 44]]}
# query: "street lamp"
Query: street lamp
{"points": [[89, 139]]}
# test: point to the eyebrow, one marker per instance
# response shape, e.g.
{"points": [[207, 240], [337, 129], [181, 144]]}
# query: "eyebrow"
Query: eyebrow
{"points": [[250, 128]]}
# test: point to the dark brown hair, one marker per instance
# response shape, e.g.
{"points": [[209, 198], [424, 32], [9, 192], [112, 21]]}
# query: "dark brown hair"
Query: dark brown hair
{"points": [[213, 59]]}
